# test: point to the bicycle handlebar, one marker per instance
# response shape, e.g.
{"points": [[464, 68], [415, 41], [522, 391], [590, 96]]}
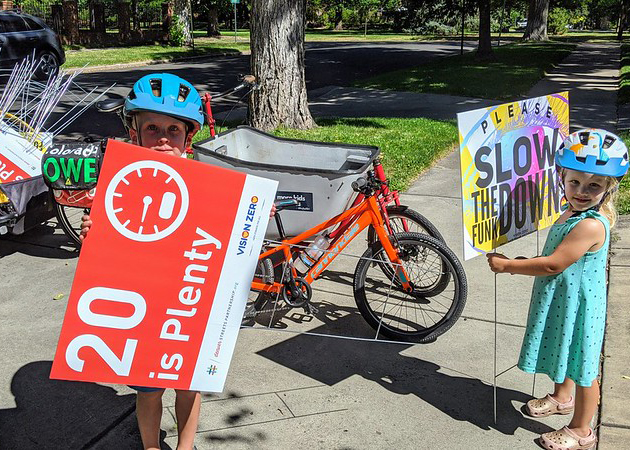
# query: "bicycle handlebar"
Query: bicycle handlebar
{"points": [[247, 81], [282, 204], [359, 184]]}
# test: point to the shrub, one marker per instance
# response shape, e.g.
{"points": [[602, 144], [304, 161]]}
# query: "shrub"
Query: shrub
{"points": [[559, 19], [435, 28], [177, 32]]}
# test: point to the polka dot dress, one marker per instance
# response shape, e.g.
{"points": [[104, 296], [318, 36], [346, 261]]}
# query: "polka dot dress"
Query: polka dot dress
{"points": [[567, 314]]}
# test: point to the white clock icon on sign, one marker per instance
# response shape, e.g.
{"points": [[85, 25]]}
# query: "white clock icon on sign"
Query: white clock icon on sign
{"points": [[146, 201]]}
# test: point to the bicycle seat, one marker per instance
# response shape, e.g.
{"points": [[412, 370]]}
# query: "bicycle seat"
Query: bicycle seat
{"points": [[110, 105], [283, 204]]}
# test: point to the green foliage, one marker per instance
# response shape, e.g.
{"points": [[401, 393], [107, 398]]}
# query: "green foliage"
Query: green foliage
{"points": [[433, 27], [559, 20], [177, 32]]}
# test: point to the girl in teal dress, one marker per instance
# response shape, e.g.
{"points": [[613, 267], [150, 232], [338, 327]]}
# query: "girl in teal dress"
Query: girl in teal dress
{"points": [[567, 315]]}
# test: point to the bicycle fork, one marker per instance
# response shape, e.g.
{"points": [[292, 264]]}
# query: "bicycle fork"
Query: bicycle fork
{"points": [[393, 253]]}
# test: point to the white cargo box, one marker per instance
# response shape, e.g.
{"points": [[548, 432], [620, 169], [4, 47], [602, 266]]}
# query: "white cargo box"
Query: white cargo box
{"points": [[318, 174]]}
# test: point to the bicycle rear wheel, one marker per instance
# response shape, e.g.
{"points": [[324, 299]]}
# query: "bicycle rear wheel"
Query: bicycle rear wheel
{"points": [[69, 219], [412, 317], [256, 300]]}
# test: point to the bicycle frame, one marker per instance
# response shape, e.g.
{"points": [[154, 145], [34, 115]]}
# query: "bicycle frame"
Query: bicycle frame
{"points": [[353, 221], [384, 197]]}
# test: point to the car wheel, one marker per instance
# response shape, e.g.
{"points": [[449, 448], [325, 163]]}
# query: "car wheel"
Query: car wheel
{"points": [[48, 66]]}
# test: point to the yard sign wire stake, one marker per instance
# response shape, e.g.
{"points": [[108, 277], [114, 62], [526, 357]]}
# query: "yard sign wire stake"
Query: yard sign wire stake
{"points": [[537, 254], [494, 378], [277, 308], [389, 291]]}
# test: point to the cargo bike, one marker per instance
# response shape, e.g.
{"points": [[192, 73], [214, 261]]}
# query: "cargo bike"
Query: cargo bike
{"points": [[408, 285]]}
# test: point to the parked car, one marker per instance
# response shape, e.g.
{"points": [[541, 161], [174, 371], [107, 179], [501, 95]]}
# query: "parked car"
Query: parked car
{"points": [[521, 24], [22, 35]]}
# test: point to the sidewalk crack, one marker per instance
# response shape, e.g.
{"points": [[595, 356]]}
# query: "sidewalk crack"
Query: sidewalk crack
{"points": [[284, 403], [109, 428], [614, 425]]}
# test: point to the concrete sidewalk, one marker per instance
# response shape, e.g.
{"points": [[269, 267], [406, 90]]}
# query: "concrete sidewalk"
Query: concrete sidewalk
{"points": [[289, 390]]}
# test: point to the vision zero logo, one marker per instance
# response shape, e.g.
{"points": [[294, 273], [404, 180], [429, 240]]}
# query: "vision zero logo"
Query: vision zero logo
{"points": [[247, 226]]}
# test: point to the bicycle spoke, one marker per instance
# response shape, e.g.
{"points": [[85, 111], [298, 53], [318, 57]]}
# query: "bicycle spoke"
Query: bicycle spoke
{"points": [[434, 301]]}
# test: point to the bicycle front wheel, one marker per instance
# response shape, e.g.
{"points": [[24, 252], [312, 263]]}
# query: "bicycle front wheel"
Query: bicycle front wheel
{"points": [[69, 219], [414, 316], [404, 219]]}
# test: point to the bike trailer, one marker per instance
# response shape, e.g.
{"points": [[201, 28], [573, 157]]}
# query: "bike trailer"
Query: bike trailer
{"points": [[317, 174], [24, 198], [24, 204]]}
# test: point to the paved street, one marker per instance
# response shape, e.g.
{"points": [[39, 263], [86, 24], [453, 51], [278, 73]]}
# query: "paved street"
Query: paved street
{"points": [[290, 390], [338, 64]]}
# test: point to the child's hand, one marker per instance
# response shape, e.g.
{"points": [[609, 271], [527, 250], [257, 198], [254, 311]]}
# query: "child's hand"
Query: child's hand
{"points": [[273, 211], [497, 262], [86, 224]]}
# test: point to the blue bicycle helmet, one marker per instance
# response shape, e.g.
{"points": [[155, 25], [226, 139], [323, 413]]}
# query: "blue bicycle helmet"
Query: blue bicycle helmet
{"points": [[594, 151], [164, 93]]}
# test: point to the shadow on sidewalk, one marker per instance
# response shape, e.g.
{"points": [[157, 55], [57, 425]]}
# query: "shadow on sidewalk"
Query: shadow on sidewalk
{"points": [[66, 414], [331, 361], [40, 241]]}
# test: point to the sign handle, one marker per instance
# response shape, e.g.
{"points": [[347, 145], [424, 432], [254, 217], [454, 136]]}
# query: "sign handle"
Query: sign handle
{"points": [[494, 378]]}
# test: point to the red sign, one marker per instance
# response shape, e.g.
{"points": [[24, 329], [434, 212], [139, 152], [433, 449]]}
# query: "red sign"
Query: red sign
{"points": [[164, 274]]}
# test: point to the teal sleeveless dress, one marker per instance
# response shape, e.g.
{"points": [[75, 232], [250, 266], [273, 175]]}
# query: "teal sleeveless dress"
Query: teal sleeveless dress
{"points": [[567, 314]]}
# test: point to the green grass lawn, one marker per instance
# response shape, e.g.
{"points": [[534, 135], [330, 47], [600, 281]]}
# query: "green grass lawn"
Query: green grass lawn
{"points": [[623, 196], [145, 53], [516, 69], [77, 57], [408, 146]]}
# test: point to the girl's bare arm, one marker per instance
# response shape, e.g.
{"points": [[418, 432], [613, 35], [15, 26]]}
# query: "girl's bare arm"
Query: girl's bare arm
{"points": [[588, 235]]}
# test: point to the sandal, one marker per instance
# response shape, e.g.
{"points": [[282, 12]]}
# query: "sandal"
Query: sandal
{"points": [[546, 406], [565, 439]]}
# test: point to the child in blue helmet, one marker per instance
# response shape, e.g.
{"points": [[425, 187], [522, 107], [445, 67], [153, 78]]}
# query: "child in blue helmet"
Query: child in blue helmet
{"points": [[565, 326], [163, 113]]}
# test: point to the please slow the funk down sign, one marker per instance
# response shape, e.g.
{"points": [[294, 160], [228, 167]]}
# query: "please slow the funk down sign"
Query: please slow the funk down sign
{"points": [[508, 171]]}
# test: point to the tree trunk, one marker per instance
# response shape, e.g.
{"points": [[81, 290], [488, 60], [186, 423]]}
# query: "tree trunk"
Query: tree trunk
{"points": [[339, 18], [484, 49], [134, 15], [182, 13], [537, 21], [623, 17], [213, 22], [277, 61]]}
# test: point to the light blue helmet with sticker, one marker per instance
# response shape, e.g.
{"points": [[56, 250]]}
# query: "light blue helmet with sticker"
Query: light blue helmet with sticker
{"points": [[164, 93], [595, 151]]}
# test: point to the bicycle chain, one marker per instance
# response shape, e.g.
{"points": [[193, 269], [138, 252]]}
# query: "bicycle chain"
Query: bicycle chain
{"points": [[262, 311]]}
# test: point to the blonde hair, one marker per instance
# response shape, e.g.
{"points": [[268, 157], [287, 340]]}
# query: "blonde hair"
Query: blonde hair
{"points": [[607, 208]]}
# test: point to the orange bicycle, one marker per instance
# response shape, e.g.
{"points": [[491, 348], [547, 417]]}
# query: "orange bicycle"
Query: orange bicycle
{"points": [[407, 286]]}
